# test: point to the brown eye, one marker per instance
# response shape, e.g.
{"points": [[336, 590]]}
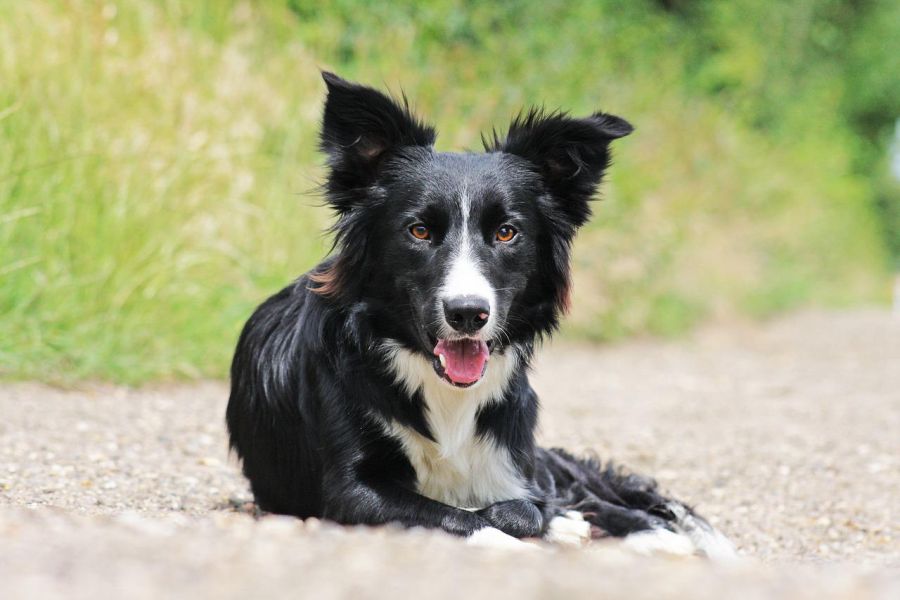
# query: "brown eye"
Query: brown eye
{"points": [[420, 232], [505, 233]]}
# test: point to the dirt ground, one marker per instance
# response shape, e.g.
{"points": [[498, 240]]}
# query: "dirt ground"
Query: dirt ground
{"points": [[784, 435]]}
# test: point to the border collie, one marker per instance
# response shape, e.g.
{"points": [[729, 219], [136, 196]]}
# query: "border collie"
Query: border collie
{"points": [[390, 383]]}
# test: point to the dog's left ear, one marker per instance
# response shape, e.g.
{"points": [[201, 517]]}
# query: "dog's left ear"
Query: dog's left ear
{"points": [[361, 127], [570, 154]]}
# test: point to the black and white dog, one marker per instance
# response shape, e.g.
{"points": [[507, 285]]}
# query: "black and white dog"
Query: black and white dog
{"points": [[390, 385]]}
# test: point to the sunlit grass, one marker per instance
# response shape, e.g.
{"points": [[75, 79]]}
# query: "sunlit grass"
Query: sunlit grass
{"points": [[152, 185], [157, 158]]}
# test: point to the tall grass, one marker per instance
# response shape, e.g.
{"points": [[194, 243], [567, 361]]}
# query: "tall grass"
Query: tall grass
{"points": [[156, 159], [151, 181]]}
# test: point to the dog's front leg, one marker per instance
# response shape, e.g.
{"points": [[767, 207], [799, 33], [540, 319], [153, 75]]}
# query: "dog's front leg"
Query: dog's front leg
{"points": [[361, 503], [518, 518]]}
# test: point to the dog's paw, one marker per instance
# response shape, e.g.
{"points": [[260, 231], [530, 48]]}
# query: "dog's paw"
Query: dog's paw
{"points": [[569, 529], [489, 537], [691, 534], [659, 541], [706, 539]]}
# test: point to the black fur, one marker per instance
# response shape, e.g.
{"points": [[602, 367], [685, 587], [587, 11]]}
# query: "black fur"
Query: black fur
{"points": [[311, 382]]}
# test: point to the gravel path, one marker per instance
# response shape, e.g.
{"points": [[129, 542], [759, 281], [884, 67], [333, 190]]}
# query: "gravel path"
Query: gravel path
{"points": [[784, 435]]}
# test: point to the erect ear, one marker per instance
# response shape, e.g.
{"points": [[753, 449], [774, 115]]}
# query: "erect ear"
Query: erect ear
{"points": [[570, 154], [360, 128]]}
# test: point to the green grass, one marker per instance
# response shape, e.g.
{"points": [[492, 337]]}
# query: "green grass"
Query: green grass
{"points": [[156, 159]]}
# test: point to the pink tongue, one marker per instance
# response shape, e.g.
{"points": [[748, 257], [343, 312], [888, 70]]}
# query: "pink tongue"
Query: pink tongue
{"points": [[464, 359]]}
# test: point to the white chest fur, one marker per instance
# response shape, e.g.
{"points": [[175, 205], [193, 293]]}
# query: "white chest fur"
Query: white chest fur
{"points": [[458, 467]]}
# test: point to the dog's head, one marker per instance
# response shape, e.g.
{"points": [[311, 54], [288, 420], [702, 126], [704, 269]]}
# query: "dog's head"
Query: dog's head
{"points": [[455, 256]]}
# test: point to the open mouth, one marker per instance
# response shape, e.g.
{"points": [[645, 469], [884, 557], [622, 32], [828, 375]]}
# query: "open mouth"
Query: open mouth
{"points": [[461, 362]]}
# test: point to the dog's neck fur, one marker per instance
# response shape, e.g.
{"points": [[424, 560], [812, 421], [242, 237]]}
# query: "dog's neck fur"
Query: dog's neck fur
{"points": [[457, 466]]}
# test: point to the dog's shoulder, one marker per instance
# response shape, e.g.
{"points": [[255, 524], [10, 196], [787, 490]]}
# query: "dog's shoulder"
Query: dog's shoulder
{"points": [[274, 344]]}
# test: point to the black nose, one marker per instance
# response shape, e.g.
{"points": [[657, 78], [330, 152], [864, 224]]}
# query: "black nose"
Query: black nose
{"points": [[467, 314]]}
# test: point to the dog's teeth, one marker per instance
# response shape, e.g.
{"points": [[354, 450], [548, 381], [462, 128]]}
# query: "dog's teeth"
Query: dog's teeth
{"points": [[443, 360]]}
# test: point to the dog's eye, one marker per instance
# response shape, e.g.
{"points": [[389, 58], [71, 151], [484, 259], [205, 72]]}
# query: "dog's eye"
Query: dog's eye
{"points": [[505, 233], [420, 232]]}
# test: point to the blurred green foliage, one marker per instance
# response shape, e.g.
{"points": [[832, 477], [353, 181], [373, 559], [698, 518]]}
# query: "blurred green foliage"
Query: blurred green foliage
{"points": [[156, 157]]}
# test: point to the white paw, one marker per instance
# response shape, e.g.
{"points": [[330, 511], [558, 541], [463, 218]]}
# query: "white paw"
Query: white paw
{"points": [[659, 541], [569, 529], [715, 546], [489, 537], [707, 540]]}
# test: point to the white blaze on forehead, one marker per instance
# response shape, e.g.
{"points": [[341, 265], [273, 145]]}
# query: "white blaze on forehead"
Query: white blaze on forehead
{"points": [[465, 276]]}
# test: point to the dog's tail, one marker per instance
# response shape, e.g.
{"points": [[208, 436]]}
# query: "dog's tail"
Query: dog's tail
{"points": [[622, 504]]}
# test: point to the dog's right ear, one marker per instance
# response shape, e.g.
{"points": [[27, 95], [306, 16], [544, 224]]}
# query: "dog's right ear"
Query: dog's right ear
{"points": [[361, 127]]}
